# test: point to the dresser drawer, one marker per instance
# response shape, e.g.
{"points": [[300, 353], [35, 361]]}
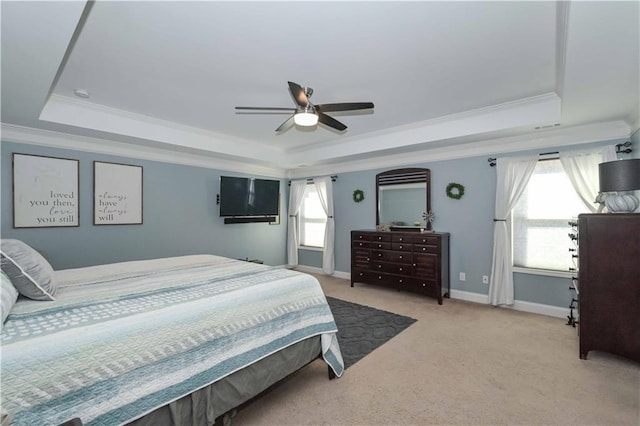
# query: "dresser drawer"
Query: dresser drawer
{"points": [[433, 240], [399, 256], [391, 256], [360, 236], [427, 287], [382, 255], [380, 245], [393, 268], [383, 236], [360, 244], [401, 247], [418, 248], [371, 277], [401, 238]]}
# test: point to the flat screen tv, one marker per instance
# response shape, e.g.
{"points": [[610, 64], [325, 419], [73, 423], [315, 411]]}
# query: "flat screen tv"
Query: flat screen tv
{"points": [[249, 197]]}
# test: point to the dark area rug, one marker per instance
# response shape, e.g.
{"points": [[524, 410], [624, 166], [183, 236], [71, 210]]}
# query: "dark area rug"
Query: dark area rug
{"points": [[362, 329]]}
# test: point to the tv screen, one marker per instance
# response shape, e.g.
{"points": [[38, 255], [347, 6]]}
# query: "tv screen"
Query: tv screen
{"points": [[248, 197]]}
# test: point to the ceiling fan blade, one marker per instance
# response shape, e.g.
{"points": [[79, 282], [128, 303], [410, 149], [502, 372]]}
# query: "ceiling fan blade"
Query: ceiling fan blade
{"points": [[330, 121], [245, 108], [298, 94], [286, 125], [344, 106]]}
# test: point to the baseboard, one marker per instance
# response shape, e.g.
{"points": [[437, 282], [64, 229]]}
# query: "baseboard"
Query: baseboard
{"points": [[519, 305]]}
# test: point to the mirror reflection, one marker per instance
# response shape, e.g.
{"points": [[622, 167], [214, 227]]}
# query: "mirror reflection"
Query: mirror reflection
{"points": [[402, 204], [402, 197]]}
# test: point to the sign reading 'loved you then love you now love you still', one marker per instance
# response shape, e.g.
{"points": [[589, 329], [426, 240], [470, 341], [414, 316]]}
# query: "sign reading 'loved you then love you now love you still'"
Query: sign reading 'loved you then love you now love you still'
{"points": [[117, 197], [45, 191]]}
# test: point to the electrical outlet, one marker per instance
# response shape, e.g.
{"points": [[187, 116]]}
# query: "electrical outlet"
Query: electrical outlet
{"points": [[463, 276], [485, 279]]}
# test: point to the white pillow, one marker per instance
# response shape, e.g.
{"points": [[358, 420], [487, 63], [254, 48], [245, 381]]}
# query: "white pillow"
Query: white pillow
{"points": [[8, 296], [29, 272]]}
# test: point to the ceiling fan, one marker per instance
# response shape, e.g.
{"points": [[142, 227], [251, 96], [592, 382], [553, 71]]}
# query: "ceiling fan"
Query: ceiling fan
{"points": [[307, 114]]}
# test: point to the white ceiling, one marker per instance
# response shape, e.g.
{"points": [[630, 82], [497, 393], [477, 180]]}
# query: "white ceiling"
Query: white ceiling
{"points": [[467, 77]]}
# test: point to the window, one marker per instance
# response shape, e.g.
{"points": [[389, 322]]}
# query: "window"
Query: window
{"points": [[312, 219], [539, 219]]}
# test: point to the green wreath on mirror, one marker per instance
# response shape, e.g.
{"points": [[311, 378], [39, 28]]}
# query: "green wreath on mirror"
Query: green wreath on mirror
{"points": [[358, 195], [455, 190]]}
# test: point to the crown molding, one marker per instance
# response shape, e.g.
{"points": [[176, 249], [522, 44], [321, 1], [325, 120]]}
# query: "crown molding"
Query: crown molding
{"points": [[89, 115], [32, 136], [529, 112], [538, 140]]}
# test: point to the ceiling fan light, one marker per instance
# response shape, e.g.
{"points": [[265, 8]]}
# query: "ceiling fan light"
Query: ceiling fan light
{"points": [[305, 119]]}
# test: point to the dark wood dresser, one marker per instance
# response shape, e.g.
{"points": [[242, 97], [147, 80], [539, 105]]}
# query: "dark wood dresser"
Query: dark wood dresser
{"points": [[609, 284], [412, 261]]}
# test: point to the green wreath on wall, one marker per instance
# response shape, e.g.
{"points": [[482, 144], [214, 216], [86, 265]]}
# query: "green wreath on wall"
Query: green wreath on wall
{"points": [[455, 190], [358, 195]]}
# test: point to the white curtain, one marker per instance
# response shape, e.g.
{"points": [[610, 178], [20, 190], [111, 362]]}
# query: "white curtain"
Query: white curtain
{"points": [[296, 195], [512, 177], [324, 185], [582, 169]]}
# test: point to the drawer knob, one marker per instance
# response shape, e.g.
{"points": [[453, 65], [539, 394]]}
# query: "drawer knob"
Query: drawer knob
{"points": [[360, 244], [400, 269], [400, 239], [424, 285], [368, 259], [379, 277], [379, 254], [379, 266], [379, 245], [400, 247], [361, 274], [379, 238], [400, 281], [414, 265], [400, 257], [424, 248]]}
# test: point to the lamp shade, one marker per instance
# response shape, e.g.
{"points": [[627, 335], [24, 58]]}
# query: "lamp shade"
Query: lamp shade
{"points": [[619, 175], [305, 119]]}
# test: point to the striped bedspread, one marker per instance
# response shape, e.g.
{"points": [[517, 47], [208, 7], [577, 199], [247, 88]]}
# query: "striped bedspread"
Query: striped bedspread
{"points": [[122, 340]]}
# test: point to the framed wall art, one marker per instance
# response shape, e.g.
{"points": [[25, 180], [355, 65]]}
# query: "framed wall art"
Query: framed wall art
{"points": [[45, 191], [117, 194]]}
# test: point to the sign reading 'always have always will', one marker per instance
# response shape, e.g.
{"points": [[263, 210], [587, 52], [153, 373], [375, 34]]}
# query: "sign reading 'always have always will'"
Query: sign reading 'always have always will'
{"points": [[117, 197]]}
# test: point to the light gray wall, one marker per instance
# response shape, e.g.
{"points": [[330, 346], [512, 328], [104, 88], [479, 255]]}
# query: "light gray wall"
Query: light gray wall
{"points": [[468, 220], [180, 217]]}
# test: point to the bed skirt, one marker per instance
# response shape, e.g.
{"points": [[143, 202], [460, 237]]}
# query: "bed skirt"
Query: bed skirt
{"points": [[205, 405]]}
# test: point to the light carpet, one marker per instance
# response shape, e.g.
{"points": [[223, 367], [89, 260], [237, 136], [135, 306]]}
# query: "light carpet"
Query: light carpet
{"points": [[461, 363]]}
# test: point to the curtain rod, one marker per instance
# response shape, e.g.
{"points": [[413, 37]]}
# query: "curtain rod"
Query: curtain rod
{"points": [[621, 148], [310, 180]]}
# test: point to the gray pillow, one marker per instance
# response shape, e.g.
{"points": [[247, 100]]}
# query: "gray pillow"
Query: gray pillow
{"points": [[29, 272], [8, 296]]}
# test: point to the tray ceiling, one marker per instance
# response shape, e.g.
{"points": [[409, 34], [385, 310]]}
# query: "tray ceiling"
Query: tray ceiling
{"points": [[167, 75]]}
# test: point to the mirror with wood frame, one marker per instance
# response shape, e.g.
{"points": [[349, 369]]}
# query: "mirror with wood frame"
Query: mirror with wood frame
{"points": [[402, 197]]}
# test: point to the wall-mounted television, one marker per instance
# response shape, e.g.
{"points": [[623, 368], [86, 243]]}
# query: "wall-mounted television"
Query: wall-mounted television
{"points": [[246, 197]]}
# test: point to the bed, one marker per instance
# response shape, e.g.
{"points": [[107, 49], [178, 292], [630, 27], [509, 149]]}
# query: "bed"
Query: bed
{"points": [[168, 341]]}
